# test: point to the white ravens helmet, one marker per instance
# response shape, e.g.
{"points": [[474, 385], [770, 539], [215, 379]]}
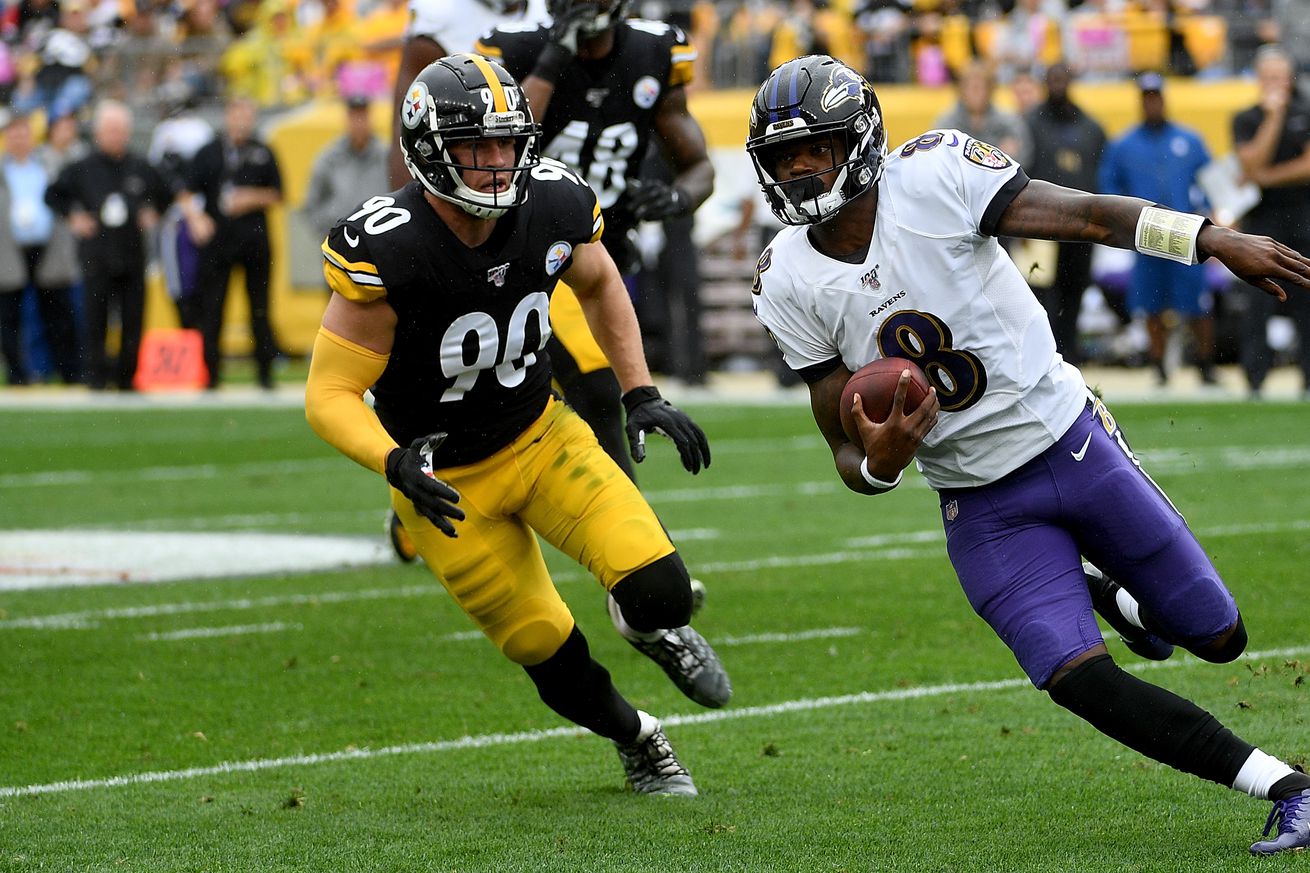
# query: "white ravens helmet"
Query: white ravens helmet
{"points": [[810, 97], [459, 98]]}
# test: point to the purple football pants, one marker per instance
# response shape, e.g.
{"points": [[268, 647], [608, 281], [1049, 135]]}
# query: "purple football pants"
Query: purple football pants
{"points": [[1016, 545]]}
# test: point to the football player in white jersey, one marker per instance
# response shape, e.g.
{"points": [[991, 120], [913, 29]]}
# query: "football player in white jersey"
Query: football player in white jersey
{"points": [[896, 256]]}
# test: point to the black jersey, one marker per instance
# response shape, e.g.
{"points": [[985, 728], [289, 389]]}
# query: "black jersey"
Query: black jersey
{"points": [[472, 323], [602, 112]]}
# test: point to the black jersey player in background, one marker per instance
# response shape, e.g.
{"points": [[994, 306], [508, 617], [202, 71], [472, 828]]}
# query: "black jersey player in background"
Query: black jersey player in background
{"points": [[440, 304], [600, 86]]}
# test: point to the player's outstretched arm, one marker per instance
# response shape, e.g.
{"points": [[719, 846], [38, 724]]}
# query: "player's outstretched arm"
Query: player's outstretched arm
{"points": [[608, 310], [1045, 211], [887, 449]]}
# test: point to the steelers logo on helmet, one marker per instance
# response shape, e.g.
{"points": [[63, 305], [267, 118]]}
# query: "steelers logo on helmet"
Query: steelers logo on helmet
{"points": [[557, 256], [816, 100], [415, 105], [467, 105]]}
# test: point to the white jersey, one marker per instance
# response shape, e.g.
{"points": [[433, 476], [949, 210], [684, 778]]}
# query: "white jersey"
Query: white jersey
{"points": [[938, 289], [455, 25]]}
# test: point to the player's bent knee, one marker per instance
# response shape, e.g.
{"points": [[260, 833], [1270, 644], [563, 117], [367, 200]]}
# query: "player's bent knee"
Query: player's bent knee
{"points": [[532, 642], [532, 631], [1228, 647], [656, 596]]}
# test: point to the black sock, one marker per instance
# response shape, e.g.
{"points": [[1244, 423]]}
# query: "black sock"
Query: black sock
{"points": [[1150, 720], [579, 689], [1290, 785]]}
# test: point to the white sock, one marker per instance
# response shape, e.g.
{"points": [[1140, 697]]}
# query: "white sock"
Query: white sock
{"points": [[1128, 606], [620, 625], [1259, 774], [647, 724]]}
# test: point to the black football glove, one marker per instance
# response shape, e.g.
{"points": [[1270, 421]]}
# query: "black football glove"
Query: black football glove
{"points": [[410, 472], [648, 412], [652, 200]]}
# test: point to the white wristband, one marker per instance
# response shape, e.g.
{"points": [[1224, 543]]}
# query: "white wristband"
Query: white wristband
{"points": [[1163, 233], [875, 481]]}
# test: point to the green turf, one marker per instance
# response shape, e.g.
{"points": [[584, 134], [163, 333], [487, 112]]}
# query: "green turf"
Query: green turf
{"points": [[973, 779]]}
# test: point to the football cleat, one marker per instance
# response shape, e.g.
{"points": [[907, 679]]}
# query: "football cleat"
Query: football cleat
{"points": [[1105, 591], [686, 658], [401, 542], [649, 762], [1293, 817]]}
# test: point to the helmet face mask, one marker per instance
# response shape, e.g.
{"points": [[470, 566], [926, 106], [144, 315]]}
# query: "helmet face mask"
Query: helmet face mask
{"points": [[812, 100], [604, 15], [463, 100]]}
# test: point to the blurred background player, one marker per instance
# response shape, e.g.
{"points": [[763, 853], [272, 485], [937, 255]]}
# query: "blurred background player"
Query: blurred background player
{"points": [[480, 456], [600, 86]]}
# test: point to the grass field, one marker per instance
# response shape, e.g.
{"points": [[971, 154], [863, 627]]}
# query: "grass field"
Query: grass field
{"points": [[347, 720]]}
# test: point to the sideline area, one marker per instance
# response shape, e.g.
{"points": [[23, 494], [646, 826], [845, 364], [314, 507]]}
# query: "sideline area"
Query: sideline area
{"points": [[1117, 385]]}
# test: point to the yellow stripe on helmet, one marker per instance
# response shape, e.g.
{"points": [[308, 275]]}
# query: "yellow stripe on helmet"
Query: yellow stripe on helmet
{"points": [[499, 102]]}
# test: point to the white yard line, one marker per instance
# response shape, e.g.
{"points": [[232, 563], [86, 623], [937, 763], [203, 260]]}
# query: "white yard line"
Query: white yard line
{"points": [[195, 633], [1163, 460], [91, 618], [60, 621], [821, 633], [488, 740]]}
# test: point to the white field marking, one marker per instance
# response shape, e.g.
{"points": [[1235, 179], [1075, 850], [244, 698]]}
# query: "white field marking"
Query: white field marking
{"points": [[821, 633], [1164, 460], [249, 521], [913, 536], [743, 492], [694, 534], [59, 478], [60, 558], [483, 741], [92, 617], [844, 557], [195, 633]]}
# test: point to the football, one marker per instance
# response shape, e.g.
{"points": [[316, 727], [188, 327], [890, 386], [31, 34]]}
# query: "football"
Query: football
{"points": [[876, 384]]}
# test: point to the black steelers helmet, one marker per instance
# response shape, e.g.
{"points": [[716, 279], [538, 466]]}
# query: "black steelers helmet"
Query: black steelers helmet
{"points": [[604, 13], [459, 98], [816, 96]]}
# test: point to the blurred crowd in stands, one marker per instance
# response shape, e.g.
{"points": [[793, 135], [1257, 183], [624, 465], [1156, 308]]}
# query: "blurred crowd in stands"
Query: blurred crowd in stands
{"points": [[56, 53], [183, 76]]}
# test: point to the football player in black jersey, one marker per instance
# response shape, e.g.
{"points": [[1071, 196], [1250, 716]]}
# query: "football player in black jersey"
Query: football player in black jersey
{"points": [[440, 305], [601, 85]]}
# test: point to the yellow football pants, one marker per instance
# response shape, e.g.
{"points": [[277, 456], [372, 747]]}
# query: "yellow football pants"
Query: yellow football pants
{"points": [[553, 479], [569, 326]]}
